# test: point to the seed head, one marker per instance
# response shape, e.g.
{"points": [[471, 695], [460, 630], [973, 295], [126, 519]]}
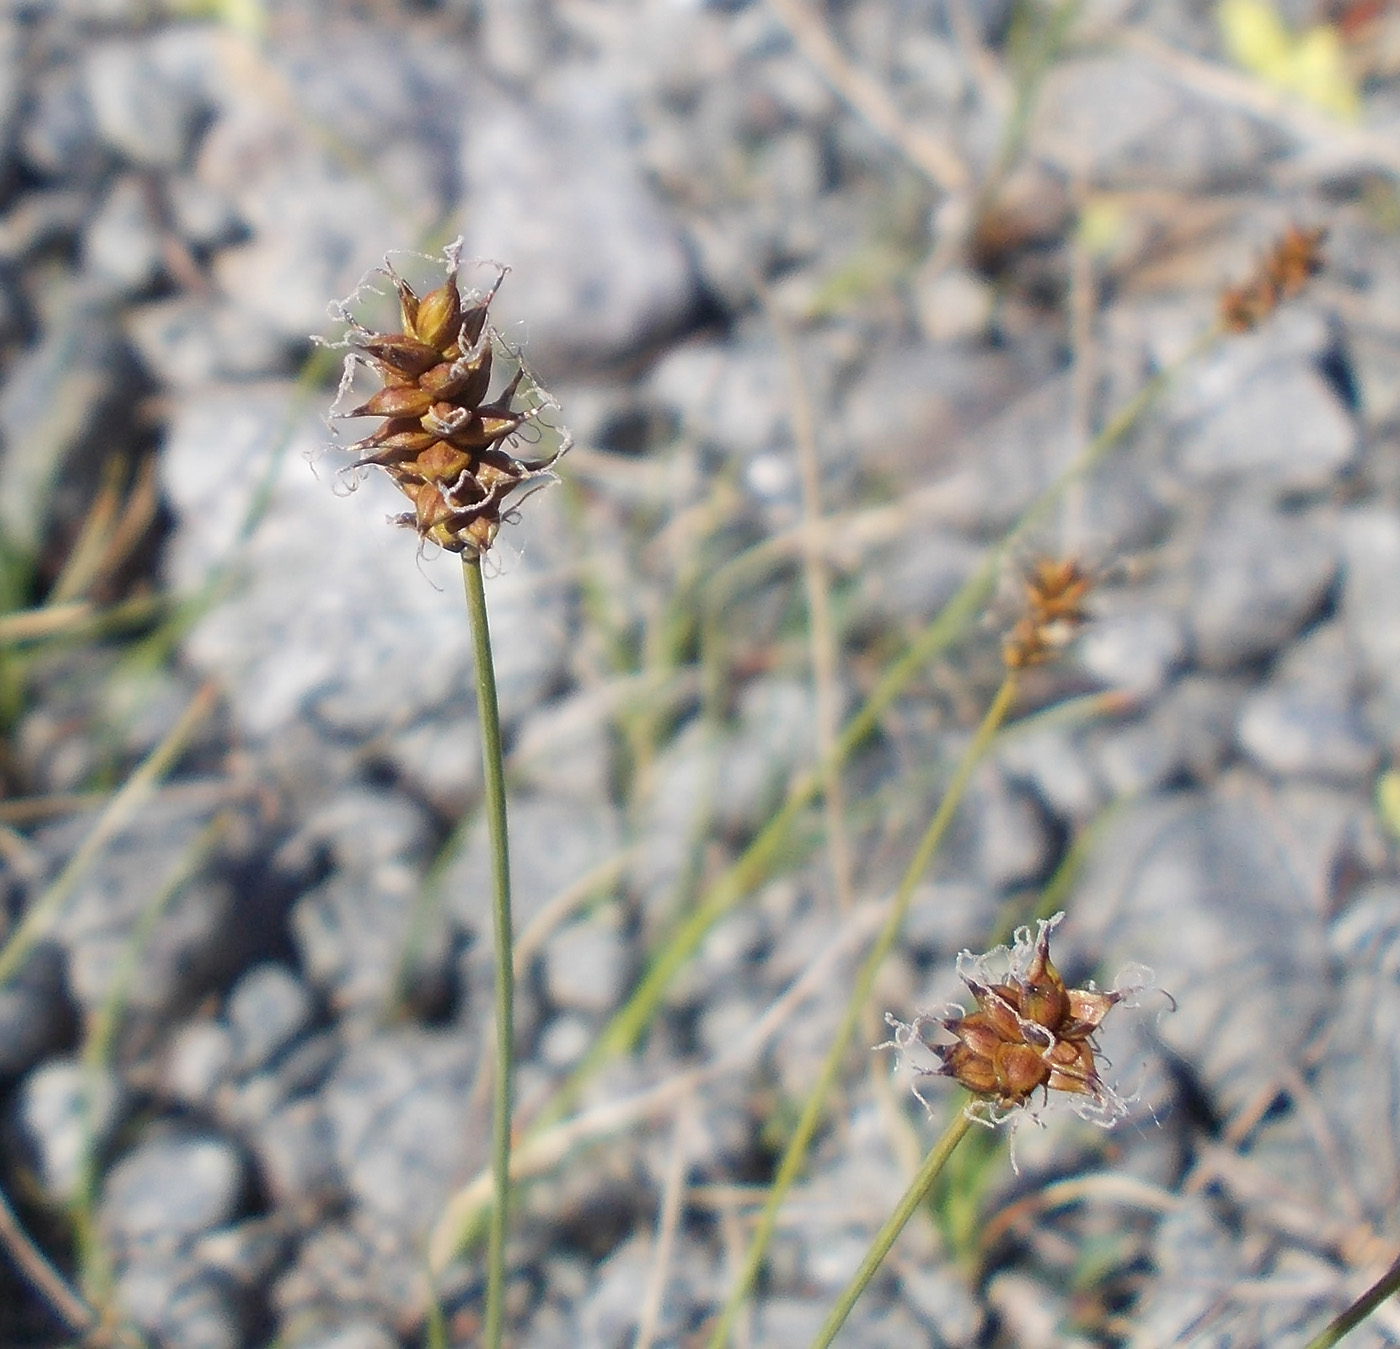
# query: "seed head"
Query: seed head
{"points": [[452, 450], [1055, 592], [1294, 259], [1029, 1033]]}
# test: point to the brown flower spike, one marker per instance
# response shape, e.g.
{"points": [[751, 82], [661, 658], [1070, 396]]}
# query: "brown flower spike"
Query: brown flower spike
{"points": [[1295, 258], [1029, 1033], [449, 449], [1055, 591]]}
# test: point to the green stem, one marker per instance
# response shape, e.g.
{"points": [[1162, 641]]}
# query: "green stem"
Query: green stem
{"points": [[910, 1204], [816, 1100], [1386, 1286], [495, 783]]}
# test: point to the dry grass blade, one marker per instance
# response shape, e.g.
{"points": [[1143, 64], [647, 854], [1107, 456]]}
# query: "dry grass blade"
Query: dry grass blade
{"points": [[869, 99], [136, 791]]}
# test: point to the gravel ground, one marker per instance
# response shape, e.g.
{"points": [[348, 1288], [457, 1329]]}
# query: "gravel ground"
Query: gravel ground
{"points": [[249, 1050]]}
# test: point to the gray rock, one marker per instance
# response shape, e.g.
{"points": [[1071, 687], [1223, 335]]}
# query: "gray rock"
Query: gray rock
{"points": [[1012, 842], [104, 917], [40, 219], [1259, 577], [141, 112], [273, 173], [1282, 427], [775, 736], [1356, 1083], [732, 396], [204, 218], [34, 1013], [246, 1252], [941, 1296], [555, 193], [199, 1062], [1305, 721], [54, 396], [268, 1009], [351, 1270], [122, 246], [64, 1113], [1134, 649], [58, 137], [191, 341], [564, 1041], [586, 965], [294, 1147], [180, 1304], [11, 87], [1371, 611], [914, 401], [1307, 732], [996, 472], [918, 577], [354, 930], [1053, 759], [1199, 888], [404, 1131], [169, 1189], [565, 748], [1122, 121], [553, 843], [609, 1313], [358, 1334], [1032, 1313]]}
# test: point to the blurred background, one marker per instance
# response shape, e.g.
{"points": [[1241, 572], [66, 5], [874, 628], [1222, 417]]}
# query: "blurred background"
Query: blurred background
{"points": [[828, 291]]}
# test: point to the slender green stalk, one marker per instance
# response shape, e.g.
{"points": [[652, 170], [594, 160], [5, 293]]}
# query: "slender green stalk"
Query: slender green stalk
{"points": [[495, 782], [1386, 1286], [910, 1204], [817, 1098]]}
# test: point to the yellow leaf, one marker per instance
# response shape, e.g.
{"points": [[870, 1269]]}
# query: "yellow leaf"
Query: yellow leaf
{"points": [[1311, 65], [1388, 801], [1255, 37]]}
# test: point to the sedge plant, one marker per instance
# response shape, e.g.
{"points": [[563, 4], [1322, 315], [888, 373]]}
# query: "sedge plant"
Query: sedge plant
{"points": [[456, 452]]}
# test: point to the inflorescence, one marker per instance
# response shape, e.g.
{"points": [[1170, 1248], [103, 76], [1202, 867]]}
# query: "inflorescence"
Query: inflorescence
{"points": [[1029, 1034], [1286, 269], [454, 454]]}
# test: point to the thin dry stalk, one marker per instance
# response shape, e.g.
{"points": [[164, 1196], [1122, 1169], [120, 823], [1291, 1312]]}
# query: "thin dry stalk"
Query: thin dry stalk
{"points": [[821, 636], [666, 1225], [77, 1316], [868, 99]]}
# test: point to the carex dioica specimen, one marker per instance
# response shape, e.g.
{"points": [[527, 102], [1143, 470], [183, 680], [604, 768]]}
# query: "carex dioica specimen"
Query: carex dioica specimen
{"points": [[1029, 1033], [452, 452], [1282, 274], [1055, 591]]}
